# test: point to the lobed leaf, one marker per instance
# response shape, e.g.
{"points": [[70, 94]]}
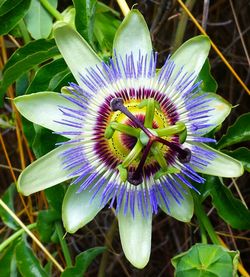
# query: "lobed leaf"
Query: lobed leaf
{"points": [[27, 262], [238, 132], [24, 59], [206, 260], [229, 208], [7, 262], [84, 18], [83, 261], [38, 20], [8, 198], [11, 12], [8, 5], [241, 154], [208, 82], [46, 224], [54, 196], [51, 77]]}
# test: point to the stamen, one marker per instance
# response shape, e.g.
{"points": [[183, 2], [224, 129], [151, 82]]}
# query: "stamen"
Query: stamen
{"points": [[184, 155], [159, 156], [126, 129], [171, 130], [135, 178], [150, 111], [133, 154]]}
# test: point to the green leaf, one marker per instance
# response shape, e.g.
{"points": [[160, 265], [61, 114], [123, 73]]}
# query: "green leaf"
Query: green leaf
{"points": [[83, 261], [229, 208], [11, 14], [7, 5], [8, 198], [241, 154], [38, 20], [54, 196], [29, 130], [24, 59], [208, 82], [105, 27], [44, 141], [84, 20], [51, 77], [8, 263], [22, 84], [238, 132], [206, 261], [27, 262], [46, 224]]}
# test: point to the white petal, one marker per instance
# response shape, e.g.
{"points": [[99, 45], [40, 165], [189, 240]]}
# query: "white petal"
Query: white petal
{"points": [[222, 165], [220, 110], [133, 35], [45, 172], [183, 211], [135, 234], [75, 50], [191, 55], [78, 209], [42, 108]]}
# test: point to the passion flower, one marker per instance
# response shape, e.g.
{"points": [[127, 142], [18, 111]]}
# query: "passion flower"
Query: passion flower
{"points": [[136, 134]]}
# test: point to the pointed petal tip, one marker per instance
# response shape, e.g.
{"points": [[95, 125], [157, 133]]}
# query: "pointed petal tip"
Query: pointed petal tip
{"points": [[133, 36]]}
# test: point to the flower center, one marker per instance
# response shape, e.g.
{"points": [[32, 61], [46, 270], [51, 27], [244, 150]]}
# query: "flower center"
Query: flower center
{"points": [[151, 142]]}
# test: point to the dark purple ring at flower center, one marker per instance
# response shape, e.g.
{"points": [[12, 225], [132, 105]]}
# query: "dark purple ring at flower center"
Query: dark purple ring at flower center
{"points": [[135, 178]]}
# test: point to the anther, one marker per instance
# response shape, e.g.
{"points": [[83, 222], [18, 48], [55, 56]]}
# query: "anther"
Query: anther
{"points": [[185, 155], [116, 104], [134, 178]]}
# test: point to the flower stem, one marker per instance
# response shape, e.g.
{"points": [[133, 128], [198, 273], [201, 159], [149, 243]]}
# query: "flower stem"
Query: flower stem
{"points": [[123, 6], [179, 34], [204, 220], [24, 32], [63, 244], [15, 236], [54, 12], [108, 243]]}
